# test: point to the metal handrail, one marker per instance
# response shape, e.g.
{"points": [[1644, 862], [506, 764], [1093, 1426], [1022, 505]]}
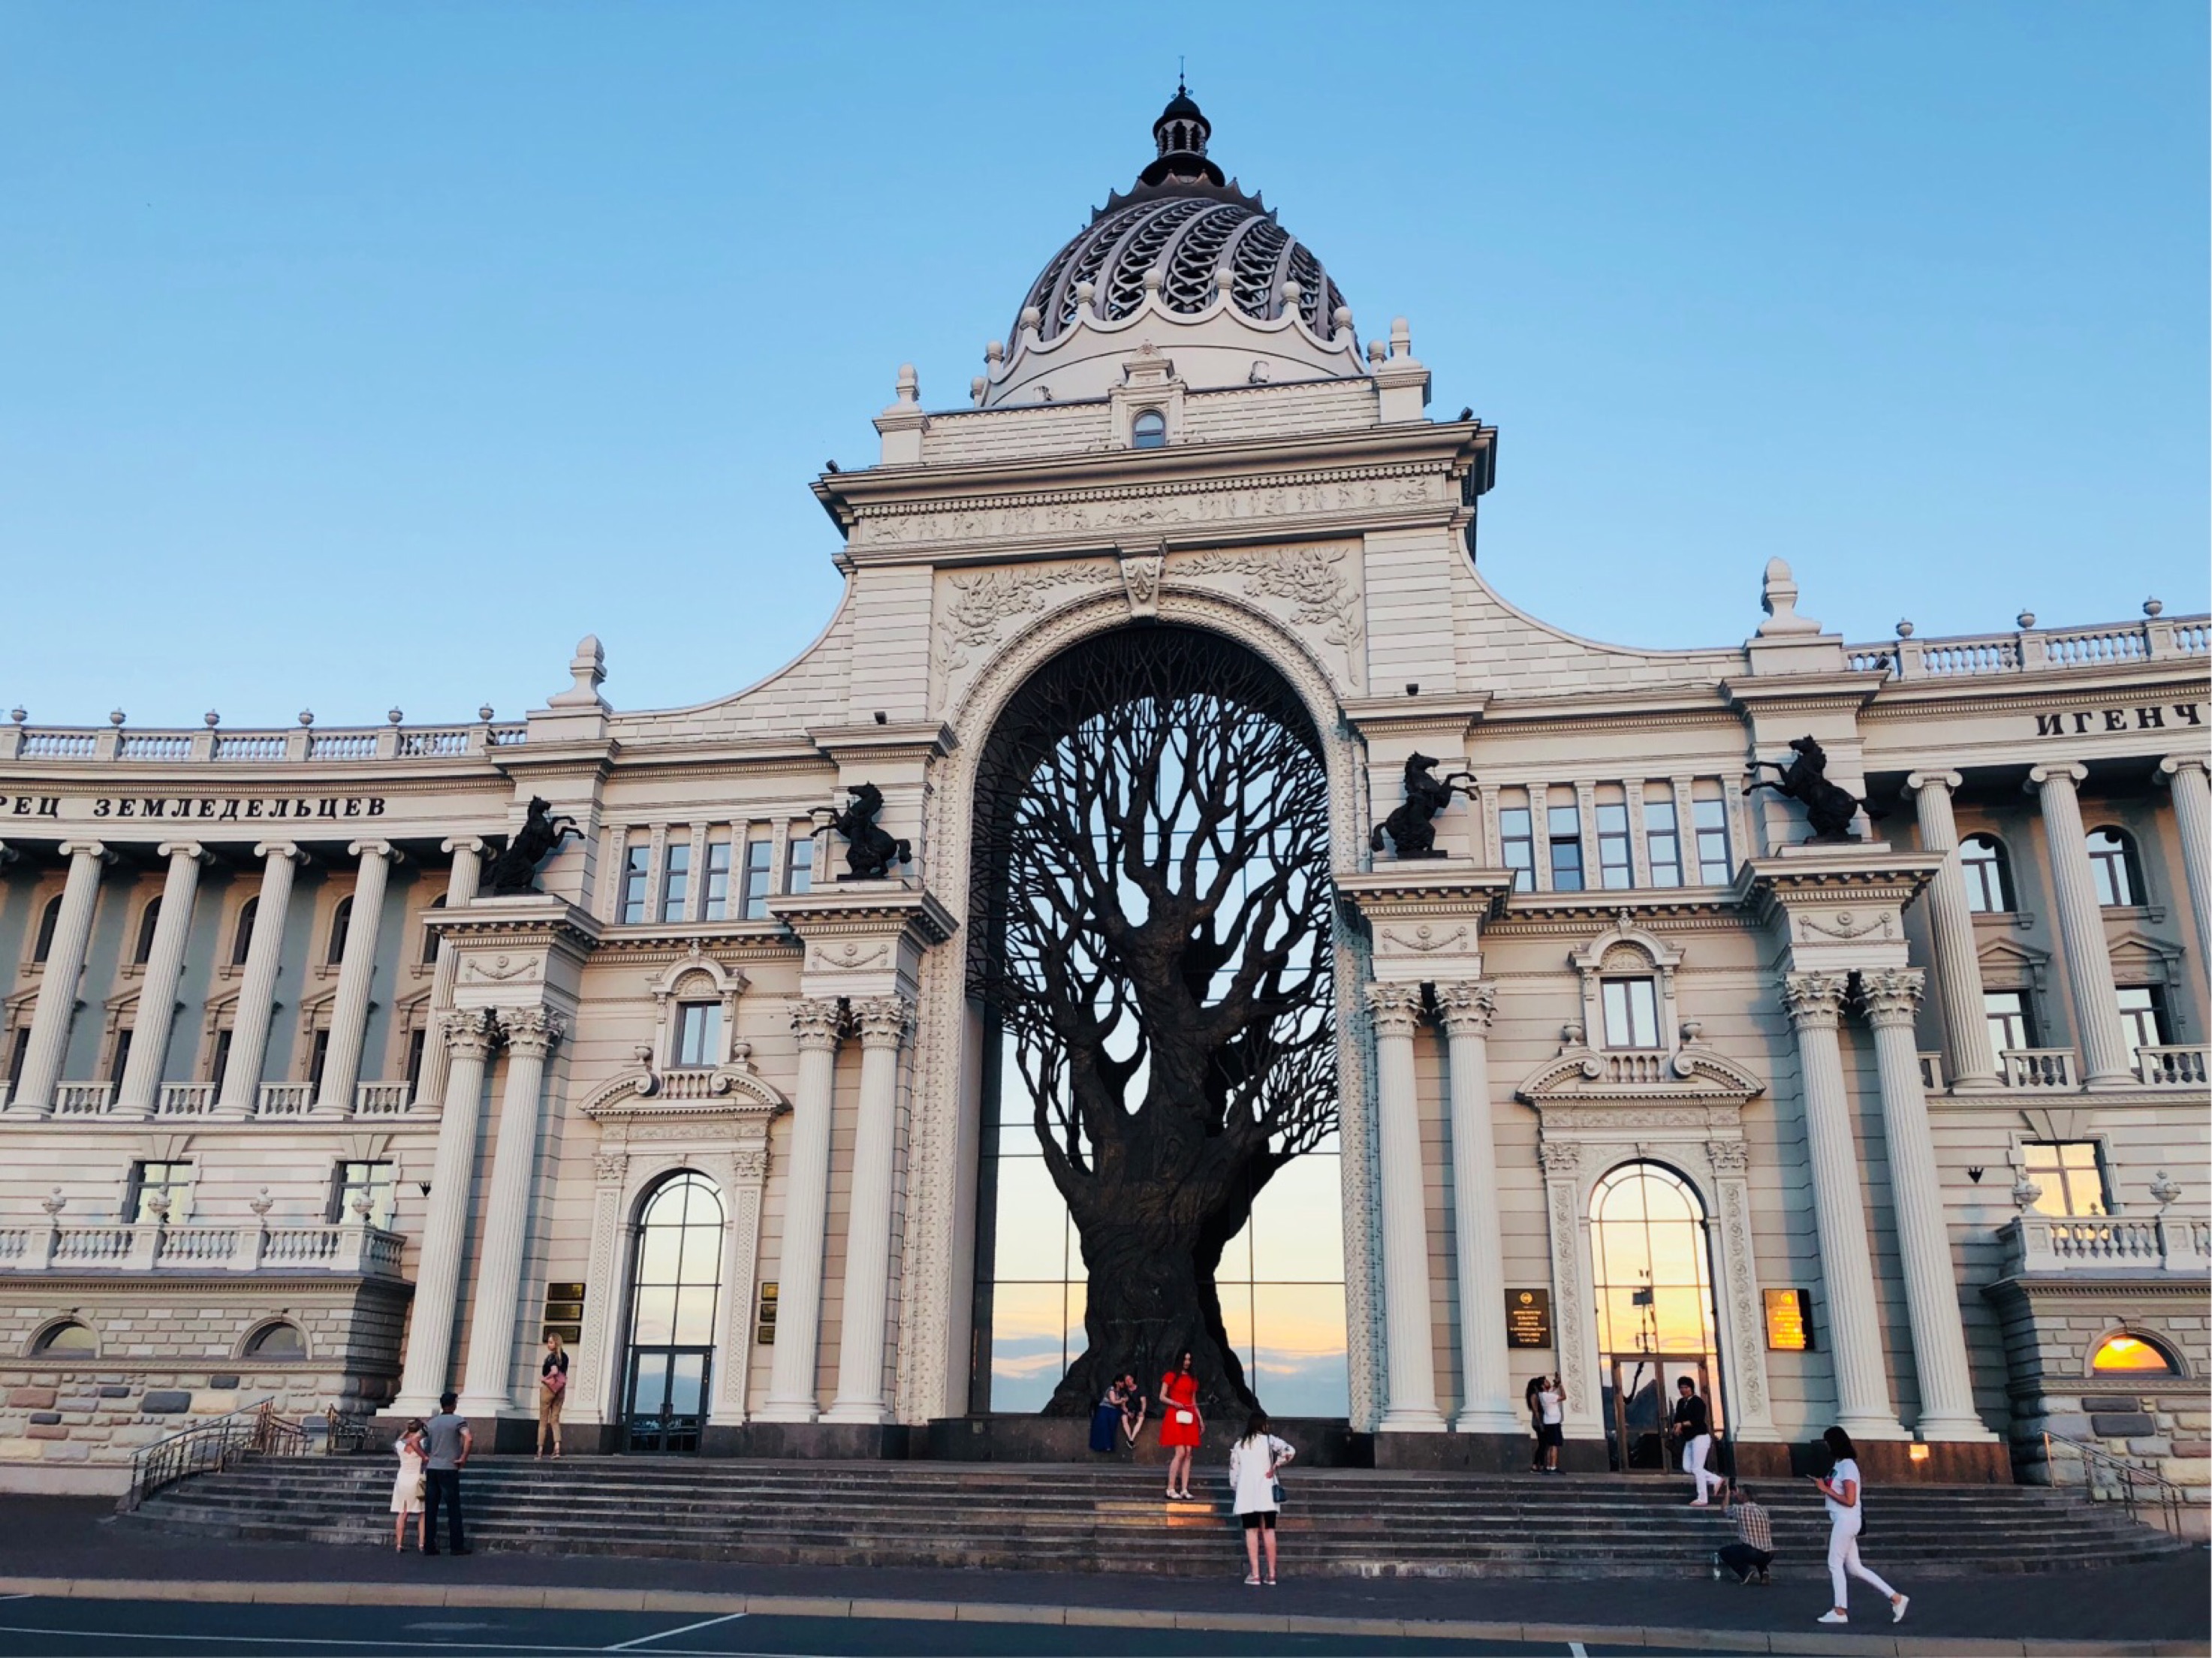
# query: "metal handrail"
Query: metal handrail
{"points": [[208, 1448], [2168, 1501]]}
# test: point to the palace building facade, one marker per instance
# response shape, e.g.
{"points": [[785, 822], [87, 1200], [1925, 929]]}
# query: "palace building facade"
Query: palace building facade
{"points": [[312, 1096]]}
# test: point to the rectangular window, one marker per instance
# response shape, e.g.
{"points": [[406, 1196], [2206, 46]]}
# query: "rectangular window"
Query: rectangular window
{"points": [[675, 880], [637, 871], [798, 873], [372, 1179], [17, 1056], [318, 1056], [698, 1036], [417, 1041], [148, 1180], [221, 1062], [122, 1051], [1631, 1013], [1564, 825], [1516, 837], [718, 879], [2007, 1011], [2069, 1173], [1614, 868], [2142, 1016], [758, 854], [1710, 816], [1662, 842]]}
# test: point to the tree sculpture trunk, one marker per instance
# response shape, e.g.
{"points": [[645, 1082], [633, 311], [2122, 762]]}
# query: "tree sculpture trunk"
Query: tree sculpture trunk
{"points": [[1154, 930]]}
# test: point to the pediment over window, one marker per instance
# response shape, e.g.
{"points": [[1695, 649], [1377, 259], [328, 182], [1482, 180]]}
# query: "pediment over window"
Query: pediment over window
{"points": [[1691, 1075], [2140, 959], [729, 1091], [2007, 964]]}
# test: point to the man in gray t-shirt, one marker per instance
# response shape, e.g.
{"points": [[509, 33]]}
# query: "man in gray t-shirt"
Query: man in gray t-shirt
{"points": [[449, 1440]]}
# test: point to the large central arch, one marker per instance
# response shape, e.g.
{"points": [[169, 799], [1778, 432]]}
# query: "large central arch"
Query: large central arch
{"points": [[1151, 939]]}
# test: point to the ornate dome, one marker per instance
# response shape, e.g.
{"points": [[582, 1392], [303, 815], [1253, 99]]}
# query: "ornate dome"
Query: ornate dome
{"points": [[1183, 223]]}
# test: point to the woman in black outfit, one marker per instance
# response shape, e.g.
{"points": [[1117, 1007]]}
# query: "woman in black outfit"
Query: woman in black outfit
{"points": [[1535, 1423]]}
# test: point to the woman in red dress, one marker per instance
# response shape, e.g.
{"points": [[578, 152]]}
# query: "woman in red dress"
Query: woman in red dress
{"points": [[1181, 1424]]}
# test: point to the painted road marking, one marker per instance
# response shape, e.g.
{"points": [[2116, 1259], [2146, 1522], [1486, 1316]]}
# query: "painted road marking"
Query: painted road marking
{"points": [[1578, 1649], [669, 1634]]}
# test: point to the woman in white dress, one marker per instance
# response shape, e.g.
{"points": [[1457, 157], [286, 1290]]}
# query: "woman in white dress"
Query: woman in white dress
{"points": [[1253, 1461], [1846, 1495], [407, 1488]]}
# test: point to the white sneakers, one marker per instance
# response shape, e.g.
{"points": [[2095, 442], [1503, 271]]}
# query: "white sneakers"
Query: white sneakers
{"points": [[1832, 1616], [1897, 1606]]}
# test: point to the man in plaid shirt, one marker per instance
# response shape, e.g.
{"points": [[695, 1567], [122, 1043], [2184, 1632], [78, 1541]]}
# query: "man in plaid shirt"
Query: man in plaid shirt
{"points": [[1753, 1549]]}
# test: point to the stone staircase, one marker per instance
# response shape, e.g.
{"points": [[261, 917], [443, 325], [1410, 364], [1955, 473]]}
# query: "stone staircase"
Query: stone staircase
{"points": [[1338, 1522]]}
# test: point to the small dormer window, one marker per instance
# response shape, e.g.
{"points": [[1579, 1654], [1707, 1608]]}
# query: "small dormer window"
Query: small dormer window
{"points": [[1149, 430]]}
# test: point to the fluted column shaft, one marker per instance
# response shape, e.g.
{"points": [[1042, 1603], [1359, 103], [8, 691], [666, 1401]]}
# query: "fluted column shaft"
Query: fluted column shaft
{"points": [[882, 1021], [2192, 817], [56, 1009], [1485, 1387], [349, 1007], [791, 1396], [461, 882], [1967, 1057], [1411, 1395], [1863, 1406], [157, 987], [488, 1388], [256, 990], [1924, 1235], [468, 1041], [2081, 928]]}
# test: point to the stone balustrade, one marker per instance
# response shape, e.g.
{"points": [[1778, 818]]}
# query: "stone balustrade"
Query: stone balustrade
{"points": [[2039, 1068], [2173, 1068], [284, 1100], [2032, 650], [272, 1100], [186, 1100], [2043, 1244], [264, 747], [383, 1099], [83, 1099], [352, 1247]]}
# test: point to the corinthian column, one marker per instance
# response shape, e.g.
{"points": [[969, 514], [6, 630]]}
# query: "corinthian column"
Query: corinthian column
{"points": [[1923, 1236], [489, 1386], [882, 1021], [461, 882], [2192, 815], [1862, 1401], [468, 1039], [2105, 1056], [1967, 1057], [157, 989], [1411, 1394], [349, 1007], [256, 991], [791, 1396], [57, 1004], [1485, 1390]]}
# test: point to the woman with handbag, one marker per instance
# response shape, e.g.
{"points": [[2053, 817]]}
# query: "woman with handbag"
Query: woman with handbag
{"points": [[552, 1390], [407, 1490], [1253, 1462], [1181, 1425]]}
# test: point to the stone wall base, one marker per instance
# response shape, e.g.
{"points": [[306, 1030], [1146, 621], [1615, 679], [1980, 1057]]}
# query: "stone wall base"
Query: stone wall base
{"points": [[64, 1479]]}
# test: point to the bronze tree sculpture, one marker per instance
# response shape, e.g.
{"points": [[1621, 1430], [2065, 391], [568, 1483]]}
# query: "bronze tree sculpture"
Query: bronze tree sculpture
{"points": [[1153, 936]]}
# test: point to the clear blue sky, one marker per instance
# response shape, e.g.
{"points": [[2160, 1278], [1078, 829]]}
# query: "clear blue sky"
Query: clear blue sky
{"points": [[361, 354]]}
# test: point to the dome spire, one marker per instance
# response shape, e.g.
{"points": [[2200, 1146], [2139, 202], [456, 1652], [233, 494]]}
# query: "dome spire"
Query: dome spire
{"points": [[1180, 133]]}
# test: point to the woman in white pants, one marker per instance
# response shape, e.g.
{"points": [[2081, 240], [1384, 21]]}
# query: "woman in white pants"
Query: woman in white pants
{"points": [[1846, 1514]]}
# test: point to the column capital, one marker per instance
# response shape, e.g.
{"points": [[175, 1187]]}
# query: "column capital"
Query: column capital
{"points": [[1815, 1000], [1395, 1008], [93, 849], [1892, 996], [1949, 782], [1468, 1007], [2178, 763], [883, 1021], [532, 1031], [462, 843], [190, 850], [384, 849], [469, 1033], [280, 849], [817, 1021], [2073, 771]]}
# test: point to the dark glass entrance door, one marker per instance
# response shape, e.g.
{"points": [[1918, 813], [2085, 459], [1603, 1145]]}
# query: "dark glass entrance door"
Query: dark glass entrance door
{"points": [[1640, 1407], [675, 1277], [667, 1404]]}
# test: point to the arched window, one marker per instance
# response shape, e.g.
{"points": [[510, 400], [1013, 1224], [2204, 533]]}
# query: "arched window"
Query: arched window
{"points": [[2112, 861], [340, 922], [147, 922], [677, 1276], [430, 935], [1149, 430], [49, 919], [279, 1341], [69, 1337], [2127, 1354], [1988, 875], [242, 942], [1656, 1323]]}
